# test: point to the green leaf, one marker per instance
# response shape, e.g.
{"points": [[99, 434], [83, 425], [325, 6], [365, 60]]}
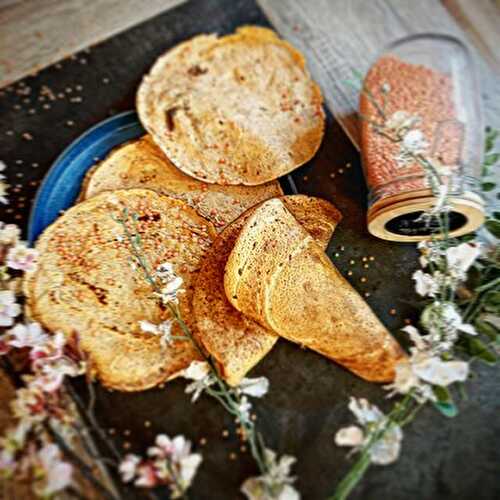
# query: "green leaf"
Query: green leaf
{"points": [[496, 215], [487, 329], [493, 226], [479, 350], [491, 159], [444, 404], [493, 298], [488, 186]]}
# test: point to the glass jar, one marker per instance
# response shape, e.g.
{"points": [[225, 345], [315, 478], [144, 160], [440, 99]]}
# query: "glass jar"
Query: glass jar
{"points": [[421, 99]]}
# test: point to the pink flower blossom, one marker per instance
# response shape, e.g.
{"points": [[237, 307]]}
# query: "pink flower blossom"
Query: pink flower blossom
{"points": [[128, 467], [146, 476], [57, 474], [29, 335], [22, 258], [9, 309], [51, 349]]}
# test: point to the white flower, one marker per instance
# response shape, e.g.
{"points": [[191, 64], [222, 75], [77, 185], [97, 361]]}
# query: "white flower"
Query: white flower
{"points": [[178, 452], [163, 330], [175, 448], [349, 436], [128, 467], [401, 120], [9, 234], [197, 370], [200, 373], [386, 450], [444, 323], [165, 272], [442, 373], [174, 456], [414, 141], [9, 309], [440, 205], [364, 412], [255, 387], [276, 484], [188, 468], [22, 258], [57, 474], [244, 409], [461, 257], [51, 374], [48, 351], [429, 252], [29, 335], [386, 88], [424, 368], [425, 284], [172, 283]]}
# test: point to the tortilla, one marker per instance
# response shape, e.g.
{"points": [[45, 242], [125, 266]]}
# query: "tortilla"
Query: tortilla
{"points": [[235, 342], [84, 283], [141, 164], [239, 109], [279, 276]]}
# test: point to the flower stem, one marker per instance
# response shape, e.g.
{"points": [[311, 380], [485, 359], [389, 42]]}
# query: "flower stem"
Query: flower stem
{"points": [[353, 477], [229, 399]]}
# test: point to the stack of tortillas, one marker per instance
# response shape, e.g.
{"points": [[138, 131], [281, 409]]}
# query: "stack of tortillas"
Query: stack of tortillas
{"points": [[225, 118]]}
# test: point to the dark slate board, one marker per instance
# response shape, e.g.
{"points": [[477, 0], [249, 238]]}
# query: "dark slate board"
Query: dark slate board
{"points": [[442, 458]]}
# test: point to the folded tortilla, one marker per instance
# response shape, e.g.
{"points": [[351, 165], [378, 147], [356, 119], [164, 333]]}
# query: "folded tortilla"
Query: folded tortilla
{"points": [[235, 342], [279, 276]]}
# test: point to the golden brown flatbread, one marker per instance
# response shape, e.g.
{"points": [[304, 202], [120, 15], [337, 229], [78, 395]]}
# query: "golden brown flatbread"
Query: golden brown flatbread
{"points": [[142, 164], [84, 283], [279, 276], [239, 109], [235, 342]]}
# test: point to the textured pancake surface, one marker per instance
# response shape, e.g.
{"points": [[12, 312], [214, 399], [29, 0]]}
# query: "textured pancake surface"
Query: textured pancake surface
{"points": [[239, 109], [84, 283], [236, 342], [142, 164], [279, 276]]}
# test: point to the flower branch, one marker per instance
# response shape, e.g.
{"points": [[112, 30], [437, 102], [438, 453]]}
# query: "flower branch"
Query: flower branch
{"points": [[274, 479], [454, 328]]}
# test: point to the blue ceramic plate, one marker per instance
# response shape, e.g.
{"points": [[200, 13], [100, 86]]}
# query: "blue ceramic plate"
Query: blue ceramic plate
{"points": [[61, 185]]}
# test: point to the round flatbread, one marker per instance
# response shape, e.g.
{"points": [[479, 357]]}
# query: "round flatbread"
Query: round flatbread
{"points": [[235, 342], [84, 283], [142, 164], [239, 109]]}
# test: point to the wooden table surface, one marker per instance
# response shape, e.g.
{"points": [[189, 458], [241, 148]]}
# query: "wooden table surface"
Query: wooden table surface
{"points": [[336, 36]]}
